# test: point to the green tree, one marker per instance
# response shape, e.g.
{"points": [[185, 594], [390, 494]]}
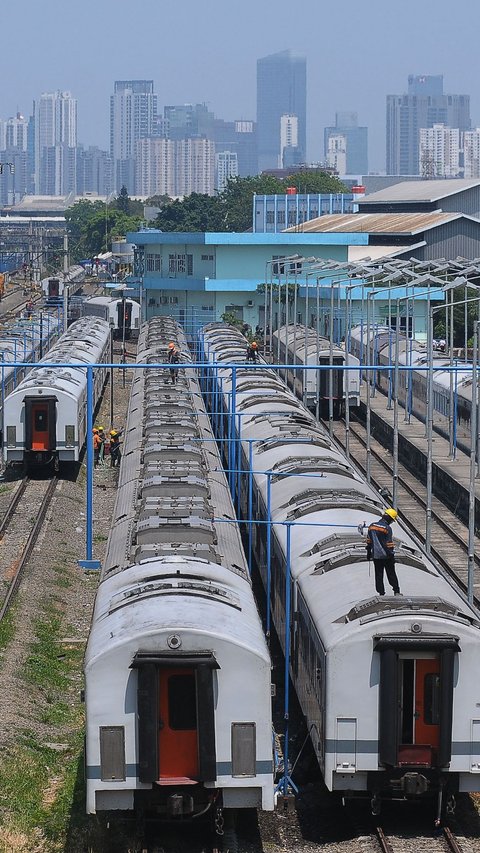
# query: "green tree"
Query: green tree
{"points": [[315, 181], [123, 201], [91, 226], [195, 213], [237, 198]]}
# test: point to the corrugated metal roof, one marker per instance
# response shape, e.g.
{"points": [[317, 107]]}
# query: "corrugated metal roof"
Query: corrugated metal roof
{"points": [[420, 191], [377, 223]]}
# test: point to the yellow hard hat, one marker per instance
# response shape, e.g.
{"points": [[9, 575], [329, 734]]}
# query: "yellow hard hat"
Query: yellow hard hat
{"points": [[392, 513], [113, 432]]}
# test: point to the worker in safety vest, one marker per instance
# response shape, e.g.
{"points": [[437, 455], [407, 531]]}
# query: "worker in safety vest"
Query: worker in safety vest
{"points": [[96, 446], [381, 549], [173, 358]]}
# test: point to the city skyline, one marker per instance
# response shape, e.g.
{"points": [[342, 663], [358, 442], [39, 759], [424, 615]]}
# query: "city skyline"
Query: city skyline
{"points": [[209, 54]]}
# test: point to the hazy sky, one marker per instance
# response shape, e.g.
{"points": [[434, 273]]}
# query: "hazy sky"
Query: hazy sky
{"points": [[206, 50]]}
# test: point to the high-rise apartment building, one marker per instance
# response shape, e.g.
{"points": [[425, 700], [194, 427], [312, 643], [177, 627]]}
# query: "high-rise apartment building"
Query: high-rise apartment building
{"points": [[423, 106], [226, 167], [94, 171], [195, 166], [55, 120], [155, 167], [281, 90], [239, 137], [133, 116], [14, 180], [349, 138], [439, 152], [471, 153], [175, 167]]}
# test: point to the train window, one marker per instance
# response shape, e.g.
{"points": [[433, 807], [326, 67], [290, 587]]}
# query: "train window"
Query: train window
{"points": [[182, 703], [11, 436], [41, 424], [431, 686], [70, 434], [407, 700]]}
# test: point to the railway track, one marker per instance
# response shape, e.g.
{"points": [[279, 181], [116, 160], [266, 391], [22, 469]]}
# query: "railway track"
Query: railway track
{"points": [[449, 536], [443, 843], [28, 507]]}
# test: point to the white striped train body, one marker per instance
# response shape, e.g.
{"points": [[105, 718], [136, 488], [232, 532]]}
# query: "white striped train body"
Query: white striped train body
{"points": [[45, 416], [25, 341], [177, 671], [415, 354], [389, 685], [53, 286], [300, 345], [116, 311]]}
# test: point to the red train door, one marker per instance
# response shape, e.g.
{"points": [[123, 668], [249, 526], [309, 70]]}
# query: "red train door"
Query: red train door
{"points": [[427, 702], [178, 733], [40, 423], [40, 430]]}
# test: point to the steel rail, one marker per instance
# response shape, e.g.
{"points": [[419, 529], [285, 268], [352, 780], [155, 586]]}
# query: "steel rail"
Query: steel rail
{"points": [[18, 494], [28, 547], [447, 836]]}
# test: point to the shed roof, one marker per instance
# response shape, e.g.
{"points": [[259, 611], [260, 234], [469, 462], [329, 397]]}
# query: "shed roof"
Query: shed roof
{"points": [[417, 191], [379, 223]]}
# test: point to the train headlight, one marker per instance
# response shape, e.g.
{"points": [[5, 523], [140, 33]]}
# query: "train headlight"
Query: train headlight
{"points": [[174, 641]]}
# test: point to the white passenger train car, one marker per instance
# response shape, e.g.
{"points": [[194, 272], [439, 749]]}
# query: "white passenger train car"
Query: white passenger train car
{"points": [[25, 340], [123, 315], [412, 386], [301, 345], [45, 415], [388, 684], [53, 287], [177, 671]]}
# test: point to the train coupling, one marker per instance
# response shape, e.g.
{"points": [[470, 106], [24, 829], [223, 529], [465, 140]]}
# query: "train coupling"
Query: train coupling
{"points": [[414, 784], [179, 805]]}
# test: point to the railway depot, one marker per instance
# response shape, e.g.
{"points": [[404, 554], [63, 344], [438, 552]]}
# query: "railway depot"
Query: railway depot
{"points": [[170, 740]]}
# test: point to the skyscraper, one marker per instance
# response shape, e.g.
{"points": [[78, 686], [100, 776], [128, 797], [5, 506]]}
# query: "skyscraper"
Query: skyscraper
{"points": [[423, 106], [55, 143], [133, 116], [354, 145], [281, 90]]}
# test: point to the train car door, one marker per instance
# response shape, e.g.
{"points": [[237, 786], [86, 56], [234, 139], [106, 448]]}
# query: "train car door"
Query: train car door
{"points": [[177, 728], [53, 288], [40, 424], [420, 711], [124, 316], [427, 702]]}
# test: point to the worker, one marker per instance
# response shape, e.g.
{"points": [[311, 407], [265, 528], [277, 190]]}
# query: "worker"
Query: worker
{"points": [[252, 352], [380, 547], [173, 358], [115, 454], [96, 446], [101, 435]]}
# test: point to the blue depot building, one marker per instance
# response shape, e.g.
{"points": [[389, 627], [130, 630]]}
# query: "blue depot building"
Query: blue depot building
{"points": [[198, 277]]}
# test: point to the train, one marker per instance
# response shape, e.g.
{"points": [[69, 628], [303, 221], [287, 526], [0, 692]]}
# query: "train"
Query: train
{"points": [[122, 314], [25, 340], [53, 287], [387, 684], [177, 669], [297, 344], [412, 386], [44, 417]]}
